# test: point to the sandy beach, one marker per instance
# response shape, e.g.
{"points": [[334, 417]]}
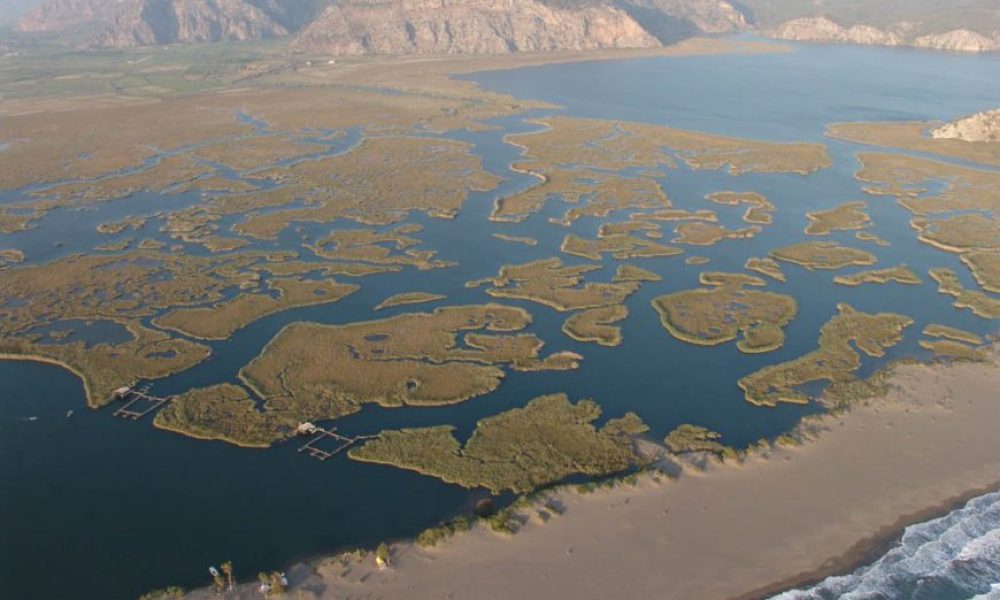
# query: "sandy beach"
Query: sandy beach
{"points": [[784, 517]]}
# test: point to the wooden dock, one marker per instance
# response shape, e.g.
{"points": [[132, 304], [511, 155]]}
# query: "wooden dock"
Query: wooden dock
{"points": [[138, 403], [341, 443]]}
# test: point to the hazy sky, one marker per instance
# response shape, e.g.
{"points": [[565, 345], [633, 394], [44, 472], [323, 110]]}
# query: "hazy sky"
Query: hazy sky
{"points": [[10, 10]]}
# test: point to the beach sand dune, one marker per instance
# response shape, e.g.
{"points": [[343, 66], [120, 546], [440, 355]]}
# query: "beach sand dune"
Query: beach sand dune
{"points": [[784, 517]]}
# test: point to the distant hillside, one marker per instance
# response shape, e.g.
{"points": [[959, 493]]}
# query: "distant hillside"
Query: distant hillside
{"points": [[453, 26], [122, 23], [11, 11], [956, 25], [150, 22], [822, 29], [390, 26], [69, 15]]}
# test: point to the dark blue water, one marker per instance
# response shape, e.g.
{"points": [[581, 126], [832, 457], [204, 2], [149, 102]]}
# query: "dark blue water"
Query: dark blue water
{"points": [[93, 506]]}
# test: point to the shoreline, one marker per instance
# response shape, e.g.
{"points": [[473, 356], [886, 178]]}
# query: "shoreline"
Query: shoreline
{"points": [[867, 550], [785, 517], [437, 72], [38, 358]]}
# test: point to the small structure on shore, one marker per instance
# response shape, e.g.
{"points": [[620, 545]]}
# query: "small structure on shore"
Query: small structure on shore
{"points": [[319, 434], [133, 397]]}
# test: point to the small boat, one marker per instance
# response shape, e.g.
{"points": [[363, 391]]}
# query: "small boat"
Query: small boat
{"points": [[69, 413]]}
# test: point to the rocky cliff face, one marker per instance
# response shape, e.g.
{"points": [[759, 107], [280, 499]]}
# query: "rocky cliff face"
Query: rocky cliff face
{"points": [[66, 15], [457, 26], [713, 16], [959, 40], [673, 20], [121, 23], [392, 26], [149, 22], [822, 29], [980, 127]]}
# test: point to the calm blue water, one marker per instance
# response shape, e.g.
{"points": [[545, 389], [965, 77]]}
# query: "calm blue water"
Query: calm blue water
{"points": [[790, 97], [123, 507]]}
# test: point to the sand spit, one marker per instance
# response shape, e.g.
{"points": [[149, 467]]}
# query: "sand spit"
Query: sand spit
{"points": [[784, 517]]}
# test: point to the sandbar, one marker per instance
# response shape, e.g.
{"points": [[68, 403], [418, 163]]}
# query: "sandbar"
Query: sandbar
{"points": [[784, 517]]}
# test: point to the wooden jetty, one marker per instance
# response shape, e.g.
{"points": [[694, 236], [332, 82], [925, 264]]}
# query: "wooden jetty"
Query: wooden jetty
{"points": [[138, 403], [319, 435]]}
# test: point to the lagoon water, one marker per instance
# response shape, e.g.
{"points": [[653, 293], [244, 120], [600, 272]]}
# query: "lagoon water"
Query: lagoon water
{"points": [[96, 507]]}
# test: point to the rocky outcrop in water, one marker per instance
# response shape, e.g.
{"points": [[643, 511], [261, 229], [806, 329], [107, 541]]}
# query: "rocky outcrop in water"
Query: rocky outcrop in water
{"points": [[980, 127], [959, 40], [822, 29]]}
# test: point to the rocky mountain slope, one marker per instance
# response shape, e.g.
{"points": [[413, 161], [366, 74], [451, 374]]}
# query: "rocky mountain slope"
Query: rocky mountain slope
{"points": [[152, 22], [434, 26], [980, 127], [822, 29], [959, 40], [67, 15], [450, 26], [123, 23], [670, 20], [391, 26]]}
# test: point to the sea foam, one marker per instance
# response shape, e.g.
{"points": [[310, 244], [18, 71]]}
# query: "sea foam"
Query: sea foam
{"points": [[954, 557]]}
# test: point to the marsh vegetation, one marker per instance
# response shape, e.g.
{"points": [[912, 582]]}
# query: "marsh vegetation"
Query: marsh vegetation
{"points": [[558, 286], [759, 209], [409, 298], [518, 450], [318, 372], [823, 255], [726, 309], [765, 266], [898, 274], [694, 438], [846, 217], [835, 361], [707, 234], [597, 325], [979, 303]]}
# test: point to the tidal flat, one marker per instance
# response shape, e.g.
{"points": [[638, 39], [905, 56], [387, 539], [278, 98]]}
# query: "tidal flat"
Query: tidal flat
{"points": [[233, 265]]}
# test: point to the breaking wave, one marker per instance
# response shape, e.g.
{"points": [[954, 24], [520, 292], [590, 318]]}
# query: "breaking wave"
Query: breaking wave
{"points": [[954, 557]]}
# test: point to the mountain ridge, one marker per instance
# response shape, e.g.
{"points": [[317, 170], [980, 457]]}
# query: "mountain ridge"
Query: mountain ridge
{"points": [[501, 26], [823, 29]]}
